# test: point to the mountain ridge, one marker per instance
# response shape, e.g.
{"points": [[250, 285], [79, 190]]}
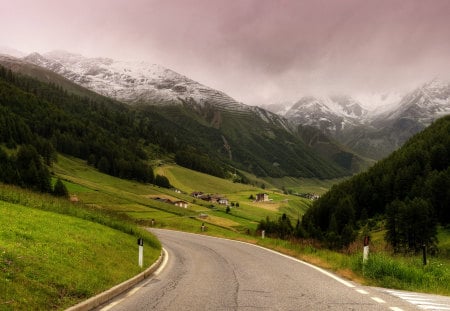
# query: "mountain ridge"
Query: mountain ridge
{"points": [[245, 137], [373, 133]]}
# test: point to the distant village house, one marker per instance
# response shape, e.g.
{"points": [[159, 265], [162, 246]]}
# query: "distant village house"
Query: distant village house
{"points": [[212, 198], [182, 204], [262, 197]]}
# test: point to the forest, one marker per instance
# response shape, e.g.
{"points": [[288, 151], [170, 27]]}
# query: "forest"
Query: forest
{"points": [[410, 190], [37, 120]]}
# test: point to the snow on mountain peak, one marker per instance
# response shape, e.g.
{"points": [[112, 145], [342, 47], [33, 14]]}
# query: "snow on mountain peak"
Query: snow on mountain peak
{"points": [[142, 82], [131, 82]]}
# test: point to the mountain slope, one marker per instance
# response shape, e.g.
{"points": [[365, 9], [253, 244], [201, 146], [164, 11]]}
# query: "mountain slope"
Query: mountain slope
{"points": [[417, 174], [332, 115], [249, 138], [377, 133]]}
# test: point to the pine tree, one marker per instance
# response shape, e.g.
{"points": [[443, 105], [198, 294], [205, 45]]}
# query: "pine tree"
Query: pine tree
{"points": [[60, 189]]}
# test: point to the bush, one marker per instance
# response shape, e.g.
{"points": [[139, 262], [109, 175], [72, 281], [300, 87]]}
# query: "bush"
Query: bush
{"points": [[60, 189]]}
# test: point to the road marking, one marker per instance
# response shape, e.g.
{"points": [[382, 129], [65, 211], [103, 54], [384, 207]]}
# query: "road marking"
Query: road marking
{"points": [[164, 263], [362, 291], [379, 300], [395, 309], [137, 288], [342, 281], [423, 301]]}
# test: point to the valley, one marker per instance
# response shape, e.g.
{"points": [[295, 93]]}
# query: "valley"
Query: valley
{"points": [[112, 131]]}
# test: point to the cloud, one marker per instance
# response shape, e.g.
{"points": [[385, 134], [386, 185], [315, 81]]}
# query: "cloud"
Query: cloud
{"points": [[258, 51]]}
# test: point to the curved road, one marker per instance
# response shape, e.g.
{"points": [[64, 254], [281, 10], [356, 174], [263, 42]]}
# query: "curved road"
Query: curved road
{"points": [[205, 273]]}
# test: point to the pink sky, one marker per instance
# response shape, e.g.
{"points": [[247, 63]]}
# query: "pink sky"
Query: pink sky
{"points": [[257, 51]]}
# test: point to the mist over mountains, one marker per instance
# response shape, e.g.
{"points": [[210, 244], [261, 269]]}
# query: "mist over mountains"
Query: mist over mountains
{"points": [[372, 133], [202, 125]]}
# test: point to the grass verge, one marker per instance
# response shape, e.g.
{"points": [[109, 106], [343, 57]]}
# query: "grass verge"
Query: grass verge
{"points": [[54, 254]]}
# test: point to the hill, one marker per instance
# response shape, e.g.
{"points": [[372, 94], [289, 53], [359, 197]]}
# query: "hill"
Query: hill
{"points": [[54, 253], [215, 137], [410, 189]]}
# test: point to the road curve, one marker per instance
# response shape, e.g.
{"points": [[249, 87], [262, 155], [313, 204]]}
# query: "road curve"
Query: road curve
{"points": [[205, 273]]}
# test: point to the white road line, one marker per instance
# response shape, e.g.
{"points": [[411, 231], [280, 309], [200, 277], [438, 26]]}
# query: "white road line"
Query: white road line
{"points": [[379, 300], [164, 263], [362, 291], [137, 288], [342, 281], [422, 301], [395, 309]]}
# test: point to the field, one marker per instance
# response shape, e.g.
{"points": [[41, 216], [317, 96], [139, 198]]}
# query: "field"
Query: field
{"points": [[136, 200], [71, 237], [51, 261]]}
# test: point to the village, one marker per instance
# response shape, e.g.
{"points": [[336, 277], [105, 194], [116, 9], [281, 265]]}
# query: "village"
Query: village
{"points": [[211, 198]]}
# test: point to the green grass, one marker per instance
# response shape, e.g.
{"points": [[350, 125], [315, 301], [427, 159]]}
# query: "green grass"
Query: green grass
{"points": [[115, 202], [406, 272], [190, 181], [305, 185], [52, 261]]}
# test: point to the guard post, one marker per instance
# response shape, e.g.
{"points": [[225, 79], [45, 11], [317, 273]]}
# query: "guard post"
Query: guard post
{"points": [[366, 249], [140, 242]]}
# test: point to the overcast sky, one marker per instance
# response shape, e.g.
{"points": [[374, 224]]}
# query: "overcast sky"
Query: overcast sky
{"points": [[257, 51]]}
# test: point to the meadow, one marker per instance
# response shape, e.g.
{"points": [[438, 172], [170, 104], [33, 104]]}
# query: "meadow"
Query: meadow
{"points": [[57, 253], [383, 269], [53, 255]]}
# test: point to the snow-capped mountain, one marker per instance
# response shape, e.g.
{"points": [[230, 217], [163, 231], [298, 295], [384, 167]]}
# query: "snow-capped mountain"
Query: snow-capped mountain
{"points": [[142, 82], [330, 114], [5, 50], [374, 133], [423, 105]]}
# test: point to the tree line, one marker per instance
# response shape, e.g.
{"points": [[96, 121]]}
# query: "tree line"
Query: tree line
{"points": [[106, 134], [410, 190]]}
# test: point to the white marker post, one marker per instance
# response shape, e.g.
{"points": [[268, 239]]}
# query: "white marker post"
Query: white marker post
{"points": [[366, 249], [263, 232], [141, 251]]}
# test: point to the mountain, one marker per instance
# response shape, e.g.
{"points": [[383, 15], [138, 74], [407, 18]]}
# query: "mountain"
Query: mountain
{"points": [[373, 134], [332, 115], [250, 138], [423, 105], [131, 82], [5, 50], [410, 186]]}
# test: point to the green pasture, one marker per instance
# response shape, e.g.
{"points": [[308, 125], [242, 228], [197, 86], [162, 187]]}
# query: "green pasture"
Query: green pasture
{"points": [[51, 261]]}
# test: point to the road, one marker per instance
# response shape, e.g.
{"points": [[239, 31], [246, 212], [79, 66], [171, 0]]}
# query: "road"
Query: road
{"points": [[205, 273]]}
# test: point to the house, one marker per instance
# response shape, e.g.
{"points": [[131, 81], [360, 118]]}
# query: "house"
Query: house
{"points": [[182, 204], [222, 201], [197, 194], [262, 197]]}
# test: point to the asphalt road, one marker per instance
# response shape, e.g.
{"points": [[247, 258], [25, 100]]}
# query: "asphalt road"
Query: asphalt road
{"points": [[205, 273]]}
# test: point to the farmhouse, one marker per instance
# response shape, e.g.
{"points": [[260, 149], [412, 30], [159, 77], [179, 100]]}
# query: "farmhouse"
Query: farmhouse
{"points": [[197, 194], [262, 197], [212, 198], [182, 204]]}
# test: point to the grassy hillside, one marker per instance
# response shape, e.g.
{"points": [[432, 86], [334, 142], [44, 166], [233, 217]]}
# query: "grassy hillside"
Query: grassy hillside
{"points": [[254, 144], [410, 189], [137, 200], [51, 257], [116, 138]]}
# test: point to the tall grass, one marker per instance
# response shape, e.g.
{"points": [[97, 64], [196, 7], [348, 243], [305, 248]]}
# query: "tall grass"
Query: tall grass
{"points": [[408, 273], [50, 203], [51, 261]]}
